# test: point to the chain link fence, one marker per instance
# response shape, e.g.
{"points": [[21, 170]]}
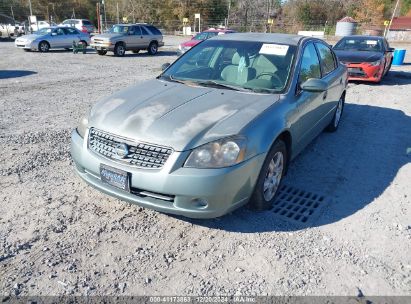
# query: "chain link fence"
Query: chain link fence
{"points": [[12, 12]]}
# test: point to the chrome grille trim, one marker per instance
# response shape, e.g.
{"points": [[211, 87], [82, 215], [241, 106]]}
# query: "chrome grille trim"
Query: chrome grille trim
{"points": [[141, 155]]}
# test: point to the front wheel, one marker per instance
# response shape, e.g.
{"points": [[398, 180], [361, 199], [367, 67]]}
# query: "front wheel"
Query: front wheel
{"points": [[119, 50], [44, 46], [153, 48], [333, 126], [270, 177]]}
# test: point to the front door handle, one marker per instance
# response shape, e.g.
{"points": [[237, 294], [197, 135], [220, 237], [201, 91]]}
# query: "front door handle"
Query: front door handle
{"points": [[325, 95]]}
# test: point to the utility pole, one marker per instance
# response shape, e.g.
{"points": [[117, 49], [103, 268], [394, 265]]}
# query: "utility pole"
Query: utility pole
{"points": [[118, 15], [12, 13], [228, 13], [392, 17], [31, 11]]}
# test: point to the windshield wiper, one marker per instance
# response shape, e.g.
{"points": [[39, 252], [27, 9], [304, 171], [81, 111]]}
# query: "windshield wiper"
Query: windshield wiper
{"points": [[172, 79], [215, 84]]}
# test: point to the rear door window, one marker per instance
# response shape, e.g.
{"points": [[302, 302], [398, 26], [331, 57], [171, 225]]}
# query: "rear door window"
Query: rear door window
{"points": [[154, 30], [144, 31]]}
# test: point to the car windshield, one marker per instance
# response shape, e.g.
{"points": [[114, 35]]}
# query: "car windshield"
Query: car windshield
{"points": [[205, 35], [119, 29], [44, 31], [237, 65], [359, 44]]}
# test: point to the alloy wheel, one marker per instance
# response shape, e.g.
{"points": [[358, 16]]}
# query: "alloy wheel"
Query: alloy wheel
{"points": [[273, 176], [338, 113]]}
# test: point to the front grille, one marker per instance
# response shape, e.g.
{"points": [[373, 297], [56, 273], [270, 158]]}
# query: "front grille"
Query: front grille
{"points": [[141, 155], [356, 72]]}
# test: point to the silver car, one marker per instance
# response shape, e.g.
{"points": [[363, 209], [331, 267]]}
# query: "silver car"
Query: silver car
{"points": [[82, 25], [128, 37], [52, 38], [217, 129]]}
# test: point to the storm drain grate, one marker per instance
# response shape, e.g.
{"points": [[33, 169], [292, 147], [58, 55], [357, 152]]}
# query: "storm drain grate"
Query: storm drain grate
{"points": [[298, 206]]}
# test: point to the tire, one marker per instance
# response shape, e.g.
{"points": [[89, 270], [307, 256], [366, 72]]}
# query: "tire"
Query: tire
{"points": [[101, 52], [153, 48], [27, 50], [44, 46], [136, 51], [267, 186], [335, 122], [119, 50]]}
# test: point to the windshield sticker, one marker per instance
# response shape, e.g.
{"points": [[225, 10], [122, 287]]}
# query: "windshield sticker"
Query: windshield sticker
{"points": [[371, 42], [351, 41], [274, 49]]}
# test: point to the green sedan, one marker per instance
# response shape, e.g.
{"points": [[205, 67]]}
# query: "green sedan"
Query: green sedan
{"points": [[217, 129]]}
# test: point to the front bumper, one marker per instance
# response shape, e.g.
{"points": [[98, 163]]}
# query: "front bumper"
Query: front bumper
{"points": [[364, 72], [223, 189], [102, 47], [26, 45]]}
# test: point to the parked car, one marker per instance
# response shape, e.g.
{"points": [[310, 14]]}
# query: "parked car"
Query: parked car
{"points": [[35, 26], [7, 30], [128, 37], [52, 38], [368, 58], [217, 128], [83, 25], [185, 46]]}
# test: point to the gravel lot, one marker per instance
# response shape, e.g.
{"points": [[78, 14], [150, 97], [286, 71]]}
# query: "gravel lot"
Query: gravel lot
{"points": [[59, 236]]}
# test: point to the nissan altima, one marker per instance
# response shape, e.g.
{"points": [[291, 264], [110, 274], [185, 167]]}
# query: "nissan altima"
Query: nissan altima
{"points": [[216, 129]]}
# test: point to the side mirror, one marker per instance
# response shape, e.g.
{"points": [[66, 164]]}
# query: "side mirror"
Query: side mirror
{"points": [[314, 85], [390, 50], [165, 66]]}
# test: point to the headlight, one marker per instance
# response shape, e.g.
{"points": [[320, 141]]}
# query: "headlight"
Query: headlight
{"points": [[81, 129], [218, 154], [375, 63]]}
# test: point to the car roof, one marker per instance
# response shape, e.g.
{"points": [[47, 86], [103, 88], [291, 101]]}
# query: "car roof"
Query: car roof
{"points": [[363, 36], [129, 24], [262, 37], [218, 30]]}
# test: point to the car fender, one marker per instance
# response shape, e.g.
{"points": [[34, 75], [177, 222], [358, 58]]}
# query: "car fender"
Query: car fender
{"points": [[265, 129]]}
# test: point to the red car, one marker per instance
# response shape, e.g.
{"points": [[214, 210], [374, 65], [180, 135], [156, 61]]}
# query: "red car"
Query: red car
{"points": [[185, 46], [368, 58]]}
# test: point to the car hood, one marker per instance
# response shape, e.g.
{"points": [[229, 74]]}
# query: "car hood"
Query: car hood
{"points": [[31, 37], [190, 43], [358, 56], [177, 115], [108, 36]]}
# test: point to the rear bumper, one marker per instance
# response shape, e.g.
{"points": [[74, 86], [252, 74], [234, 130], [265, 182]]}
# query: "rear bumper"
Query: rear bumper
{"points": [[365, 72], [173, 188]]}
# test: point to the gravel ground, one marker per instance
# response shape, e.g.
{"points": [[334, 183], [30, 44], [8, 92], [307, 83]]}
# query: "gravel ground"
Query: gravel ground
{"points": [[59, 236]]}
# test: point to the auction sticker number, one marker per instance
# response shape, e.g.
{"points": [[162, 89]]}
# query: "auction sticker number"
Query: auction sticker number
{"points": [[274, 49]]}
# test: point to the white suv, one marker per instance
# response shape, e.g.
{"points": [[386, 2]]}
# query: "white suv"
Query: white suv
{"points": [[83, 25]]}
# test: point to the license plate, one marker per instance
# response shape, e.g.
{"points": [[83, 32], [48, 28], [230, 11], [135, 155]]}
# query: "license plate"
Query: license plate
{"points": [[115, 177]]}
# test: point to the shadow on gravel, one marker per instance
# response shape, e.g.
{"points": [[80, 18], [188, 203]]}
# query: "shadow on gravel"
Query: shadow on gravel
{"points": [[352, 167], [4, 74]]}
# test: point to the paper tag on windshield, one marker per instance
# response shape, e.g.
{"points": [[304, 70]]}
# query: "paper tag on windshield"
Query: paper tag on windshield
{"points": [[274, 49], [371, 42]]}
